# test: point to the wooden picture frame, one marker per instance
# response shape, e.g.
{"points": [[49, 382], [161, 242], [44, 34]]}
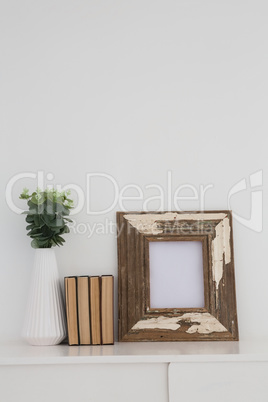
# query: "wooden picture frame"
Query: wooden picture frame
{"points": [[217, 320]]}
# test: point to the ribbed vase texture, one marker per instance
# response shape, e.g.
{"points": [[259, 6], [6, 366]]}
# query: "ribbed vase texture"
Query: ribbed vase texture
{"points": [[45, 322]]}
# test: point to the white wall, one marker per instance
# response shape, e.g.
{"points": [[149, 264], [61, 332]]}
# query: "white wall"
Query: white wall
{"points": [[133, 89]]}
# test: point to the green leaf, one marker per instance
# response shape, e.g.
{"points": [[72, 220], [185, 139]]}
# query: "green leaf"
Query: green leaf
{"points": [[61, 209], [47, 219], [29, 219], [34, 199], [45, 238], [25, 194], [43, 242], [49, 207], [31, 204], [34, 243], [57, 241], [53, 242], [33, 235], [37, 220], [31, 226], [60, 239], [57, 223], [40, 209], [50, 196], [65, 230], [68, 219], [34, 231], [30, 212], [47, 231]]}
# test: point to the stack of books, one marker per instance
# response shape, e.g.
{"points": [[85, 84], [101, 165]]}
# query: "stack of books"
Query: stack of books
{"points": [[90, 309]]}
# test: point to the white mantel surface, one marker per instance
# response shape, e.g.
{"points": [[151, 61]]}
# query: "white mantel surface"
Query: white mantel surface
{"points": [[20, 353]]}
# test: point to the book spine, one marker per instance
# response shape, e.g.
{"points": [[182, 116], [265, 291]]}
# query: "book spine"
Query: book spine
{"points": [[71, 310], [95, 301], [107, 310], [83, 310]]}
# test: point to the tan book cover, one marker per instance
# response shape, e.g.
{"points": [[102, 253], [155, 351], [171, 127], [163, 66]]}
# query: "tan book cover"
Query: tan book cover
{"points": [[71, 310], [94, 292], [107, 309], [83, 310]]}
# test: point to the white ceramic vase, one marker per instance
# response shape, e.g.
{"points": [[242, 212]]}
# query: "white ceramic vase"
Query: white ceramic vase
{"points": [[45, 322]]}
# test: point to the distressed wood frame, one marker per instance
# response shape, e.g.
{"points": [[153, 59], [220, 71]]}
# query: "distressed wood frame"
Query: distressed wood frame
{"points": [[137, 321]]}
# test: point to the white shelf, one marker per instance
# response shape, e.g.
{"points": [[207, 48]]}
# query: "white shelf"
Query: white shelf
{"points": [[20, 353]]}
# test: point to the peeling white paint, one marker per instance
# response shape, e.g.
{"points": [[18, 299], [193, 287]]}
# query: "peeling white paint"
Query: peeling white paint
{"points": [[203, 323], [226, 240], [147, 223], [158, 323], [221, 248], [206, 323]]}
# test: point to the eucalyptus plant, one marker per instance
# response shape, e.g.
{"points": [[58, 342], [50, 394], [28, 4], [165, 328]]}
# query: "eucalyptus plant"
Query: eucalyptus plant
{"points": [[47, 216]]}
